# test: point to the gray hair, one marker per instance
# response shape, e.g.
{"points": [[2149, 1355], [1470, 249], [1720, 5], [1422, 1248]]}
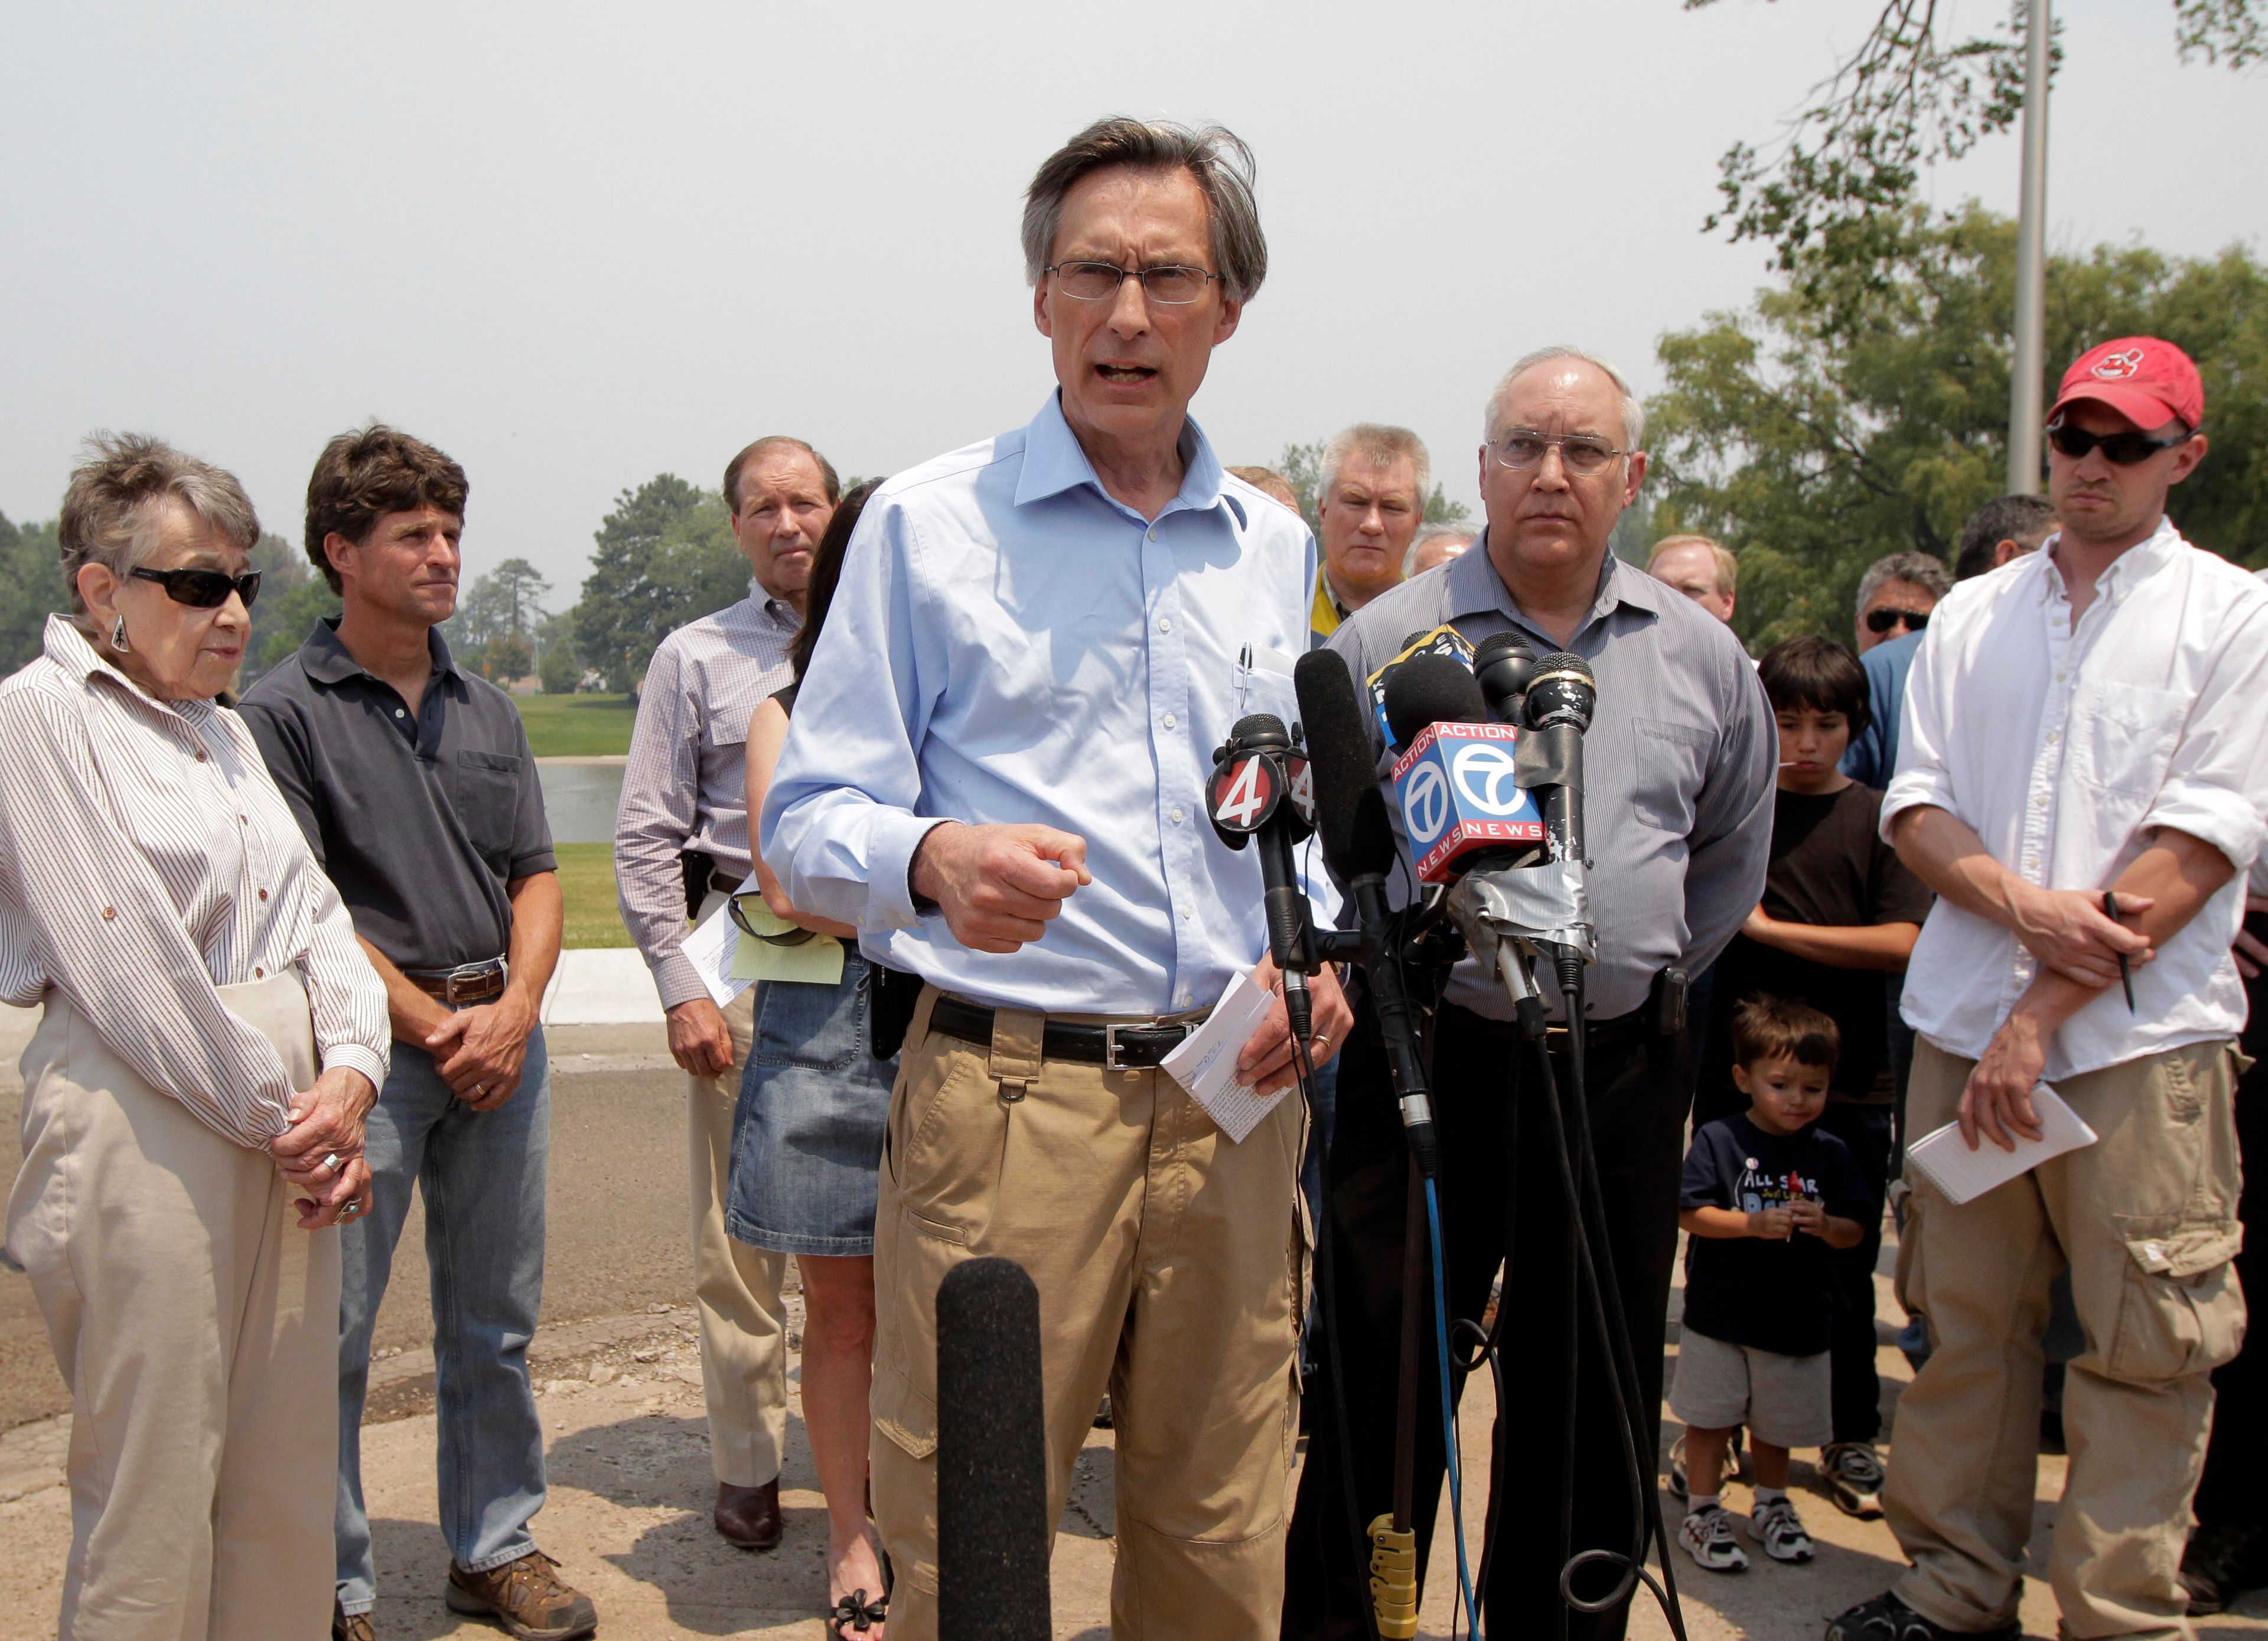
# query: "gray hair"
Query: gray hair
{"points": [[1214, 155], [1926, 571], [116, 509], [1633, 412], [1428, 534], [1380, 443]]}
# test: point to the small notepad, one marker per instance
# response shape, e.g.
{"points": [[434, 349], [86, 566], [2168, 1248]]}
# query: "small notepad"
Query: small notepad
{"points": [[1204, 1061], [1944, 1158]]}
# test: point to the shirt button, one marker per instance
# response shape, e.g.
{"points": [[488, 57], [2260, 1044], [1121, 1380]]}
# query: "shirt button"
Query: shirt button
{"points": [[259, 974], [110, 914], [398, 712], [1169, 720], [1186, 914], [1165, 623], [2054, 736], [1175, 817], [263, 894], [201, 756], [1154, 533]]}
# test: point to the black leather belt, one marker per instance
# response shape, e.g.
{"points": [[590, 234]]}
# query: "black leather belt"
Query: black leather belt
{"points": [[1138, 1046], [725, 883], [1635, 1027], [464, 985]]}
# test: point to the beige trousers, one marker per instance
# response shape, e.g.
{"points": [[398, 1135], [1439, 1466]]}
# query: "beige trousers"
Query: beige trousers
{"points": [[736, 1288], [198, 1328], [2146, 1220], [1170, 1266]]}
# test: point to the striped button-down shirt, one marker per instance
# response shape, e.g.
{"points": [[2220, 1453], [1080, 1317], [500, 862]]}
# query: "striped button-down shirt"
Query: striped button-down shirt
{"points": [[145, 860], [686, 785]]}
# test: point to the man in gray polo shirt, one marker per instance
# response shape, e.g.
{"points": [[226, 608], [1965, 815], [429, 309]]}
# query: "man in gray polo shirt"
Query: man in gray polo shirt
{"points": [[1679, 770], [413, 782]]}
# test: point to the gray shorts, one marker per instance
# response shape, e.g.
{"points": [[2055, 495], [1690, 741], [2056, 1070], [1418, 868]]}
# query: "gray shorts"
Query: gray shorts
{"points": [[1785, 1401]]}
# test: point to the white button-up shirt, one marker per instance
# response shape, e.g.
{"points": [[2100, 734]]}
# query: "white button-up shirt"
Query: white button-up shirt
{"points": [[2062, 746]]}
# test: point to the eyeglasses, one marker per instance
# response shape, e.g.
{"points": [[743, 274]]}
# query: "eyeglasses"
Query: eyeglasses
{"points": [[1880, 621], [202, 589], [788, 937], [2123, 449], [1170, 283], [1523, 453]]}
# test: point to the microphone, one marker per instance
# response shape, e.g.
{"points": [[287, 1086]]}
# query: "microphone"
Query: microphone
{"points": [[1503, 666], [1561, 697], [1439, 642], [1262, 789], [1359, 844], [992, 1530], [1459, 782]]}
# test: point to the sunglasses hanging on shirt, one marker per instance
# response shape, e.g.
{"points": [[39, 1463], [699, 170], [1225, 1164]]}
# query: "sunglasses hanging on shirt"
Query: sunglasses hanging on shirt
{"points": [[202, 589]]}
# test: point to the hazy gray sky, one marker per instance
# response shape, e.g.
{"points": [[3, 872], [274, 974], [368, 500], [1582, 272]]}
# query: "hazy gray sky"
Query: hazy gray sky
{"points": [[576, 245]]}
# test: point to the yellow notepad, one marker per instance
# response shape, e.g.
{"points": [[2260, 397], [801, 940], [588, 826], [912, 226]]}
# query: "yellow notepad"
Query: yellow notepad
{"points": [[817, 961]]}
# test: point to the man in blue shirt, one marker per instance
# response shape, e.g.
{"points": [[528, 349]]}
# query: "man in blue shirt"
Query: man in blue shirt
{"points": [[997, 773]]}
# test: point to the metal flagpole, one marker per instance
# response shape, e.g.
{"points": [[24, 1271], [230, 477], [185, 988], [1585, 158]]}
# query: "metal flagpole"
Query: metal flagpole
{"points": [[2024, 406]]}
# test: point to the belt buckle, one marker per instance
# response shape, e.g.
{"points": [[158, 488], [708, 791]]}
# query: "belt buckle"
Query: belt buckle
{"points": [[468, 975], [1112, 1053]]}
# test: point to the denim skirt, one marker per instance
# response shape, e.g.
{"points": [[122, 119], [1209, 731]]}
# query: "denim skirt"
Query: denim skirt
{"points": [[807, 1131]]}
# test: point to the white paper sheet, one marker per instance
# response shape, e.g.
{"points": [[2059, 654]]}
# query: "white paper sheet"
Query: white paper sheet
{"points": [[1205, 1062], [711, 947], [1964, 1175]]}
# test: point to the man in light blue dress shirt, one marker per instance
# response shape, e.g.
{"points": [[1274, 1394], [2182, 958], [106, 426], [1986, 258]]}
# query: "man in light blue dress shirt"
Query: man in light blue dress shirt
{"points": [[998, 771]]}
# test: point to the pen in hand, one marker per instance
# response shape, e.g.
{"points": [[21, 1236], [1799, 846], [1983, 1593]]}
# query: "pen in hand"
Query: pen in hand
{"points": [[2125, 973]]}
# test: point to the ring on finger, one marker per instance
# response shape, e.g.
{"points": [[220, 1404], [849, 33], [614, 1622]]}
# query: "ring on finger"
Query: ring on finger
{"points": [[330, 1160]]}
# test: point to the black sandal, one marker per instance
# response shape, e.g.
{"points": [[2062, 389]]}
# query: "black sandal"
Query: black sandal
{"points": [[856, 1611]]}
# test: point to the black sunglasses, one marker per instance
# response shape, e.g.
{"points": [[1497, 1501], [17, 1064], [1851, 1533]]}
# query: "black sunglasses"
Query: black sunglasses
{"points": [[792, 937], [1883, 619], [202, 589], [2124, 448]]}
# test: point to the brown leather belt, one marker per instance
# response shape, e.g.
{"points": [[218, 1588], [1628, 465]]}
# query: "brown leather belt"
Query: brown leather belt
{"points": [[464, 985]]}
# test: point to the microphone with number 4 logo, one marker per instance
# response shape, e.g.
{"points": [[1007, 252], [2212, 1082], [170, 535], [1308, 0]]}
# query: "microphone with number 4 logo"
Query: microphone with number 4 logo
{"points": [[1262, 789]]}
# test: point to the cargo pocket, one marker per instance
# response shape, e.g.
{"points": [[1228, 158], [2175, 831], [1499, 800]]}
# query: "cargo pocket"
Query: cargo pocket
{"points": [[2181, 1311], [903, 1414]]}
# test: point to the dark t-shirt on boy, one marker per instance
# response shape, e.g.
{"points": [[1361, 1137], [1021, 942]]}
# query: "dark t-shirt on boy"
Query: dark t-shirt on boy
{"points": [[1829, 865], [1770, 1295]]}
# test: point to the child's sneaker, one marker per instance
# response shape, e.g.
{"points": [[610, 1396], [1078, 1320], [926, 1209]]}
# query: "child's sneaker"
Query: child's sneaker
{"points": [[1852, 1471], [1780, 1530], [1707, 1535]]}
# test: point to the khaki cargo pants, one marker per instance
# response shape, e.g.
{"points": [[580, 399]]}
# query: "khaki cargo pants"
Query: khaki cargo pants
{"points": [[2146, 1218], [1170, 1266]]}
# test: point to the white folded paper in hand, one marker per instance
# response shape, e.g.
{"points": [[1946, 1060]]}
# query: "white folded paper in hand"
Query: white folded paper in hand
{"points": [[1943, 1158], [1205, 1062]]}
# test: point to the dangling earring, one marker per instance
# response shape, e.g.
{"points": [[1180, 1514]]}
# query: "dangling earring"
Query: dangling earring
{"points": [[118, 637]]}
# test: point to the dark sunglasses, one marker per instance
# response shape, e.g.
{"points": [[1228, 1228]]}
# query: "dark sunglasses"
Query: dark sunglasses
{"points": [[792, 937], [202, 589], [1883, 619], [2123, 449]]}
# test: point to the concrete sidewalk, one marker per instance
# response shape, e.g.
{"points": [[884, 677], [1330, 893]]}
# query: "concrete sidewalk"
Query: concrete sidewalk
{"points": [[631, 1485]]}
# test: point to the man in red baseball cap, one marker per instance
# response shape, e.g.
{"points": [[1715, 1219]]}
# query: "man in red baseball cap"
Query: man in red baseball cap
{"points": [[2092, 709]]}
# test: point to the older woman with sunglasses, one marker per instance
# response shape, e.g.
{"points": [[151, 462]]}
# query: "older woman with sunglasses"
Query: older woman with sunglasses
{"points": [[194, 1093], [807, 1145]]}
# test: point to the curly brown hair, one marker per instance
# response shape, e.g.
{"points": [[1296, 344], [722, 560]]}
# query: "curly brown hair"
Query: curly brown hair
{"points": [[362, 476]]}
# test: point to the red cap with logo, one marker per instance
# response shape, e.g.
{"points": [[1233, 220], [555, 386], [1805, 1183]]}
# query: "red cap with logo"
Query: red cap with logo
{"points": [[2148, 381]]}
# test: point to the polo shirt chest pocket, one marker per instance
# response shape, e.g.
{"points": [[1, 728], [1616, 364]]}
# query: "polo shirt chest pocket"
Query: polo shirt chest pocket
{"points": [[484, 790], [1667, 774]]}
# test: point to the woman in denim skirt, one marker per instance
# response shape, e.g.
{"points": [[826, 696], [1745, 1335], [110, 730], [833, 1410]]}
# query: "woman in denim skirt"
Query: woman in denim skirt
{"points": [[806, 1148]]}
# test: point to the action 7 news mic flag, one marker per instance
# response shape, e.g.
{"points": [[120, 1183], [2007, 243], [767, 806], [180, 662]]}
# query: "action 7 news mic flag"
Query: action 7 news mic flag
{"points": [[1458, 790]]}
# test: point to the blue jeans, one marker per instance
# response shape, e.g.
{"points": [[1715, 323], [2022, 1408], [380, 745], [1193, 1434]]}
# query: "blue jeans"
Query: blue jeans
{"points": [[482, 1175]]}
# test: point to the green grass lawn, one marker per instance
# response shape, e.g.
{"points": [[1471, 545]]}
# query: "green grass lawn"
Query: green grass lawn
{"points": [[586, 882], [577, 726]]}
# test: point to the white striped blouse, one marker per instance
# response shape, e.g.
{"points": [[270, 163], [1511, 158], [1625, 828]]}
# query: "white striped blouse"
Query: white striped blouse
{"points": [[146, 858]]}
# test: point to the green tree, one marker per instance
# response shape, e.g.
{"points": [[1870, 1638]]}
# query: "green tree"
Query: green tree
{"points": [[665, 556], [1303, 466], [1858, 410], [31, 590], [507, 658], [292, 599], [1911, 93]]}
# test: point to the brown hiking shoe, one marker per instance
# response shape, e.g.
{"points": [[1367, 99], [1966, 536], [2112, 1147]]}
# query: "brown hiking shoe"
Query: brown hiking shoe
{"points": [[525, 1597]]}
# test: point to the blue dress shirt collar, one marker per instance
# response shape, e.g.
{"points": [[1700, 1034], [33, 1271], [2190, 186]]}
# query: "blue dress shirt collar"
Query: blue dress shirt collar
{"points": [[1056, 462]]}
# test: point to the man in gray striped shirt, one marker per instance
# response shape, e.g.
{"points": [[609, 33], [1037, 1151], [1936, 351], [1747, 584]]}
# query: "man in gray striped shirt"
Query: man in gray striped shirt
{"points": [[681, 843]]}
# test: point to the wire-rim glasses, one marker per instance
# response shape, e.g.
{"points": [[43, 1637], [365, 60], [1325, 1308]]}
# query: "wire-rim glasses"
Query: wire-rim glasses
{"points": [[1522, 450], [1170, 283]]}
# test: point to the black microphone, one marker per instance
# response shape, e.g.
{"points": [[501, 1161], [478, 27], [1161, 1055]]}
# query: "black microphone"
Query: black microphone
{"points": [[1427, 689], [1359, 843], [1561, 697], [1503, 667], [992, 1535], [1257, 792]]}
